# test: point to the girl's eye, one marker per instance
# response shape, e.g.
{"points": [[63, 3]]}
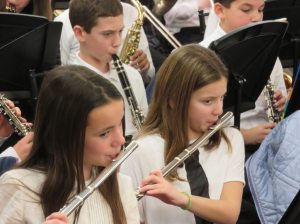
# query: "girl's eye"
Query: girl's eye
{"points": [[208, 102], [104, 134]]}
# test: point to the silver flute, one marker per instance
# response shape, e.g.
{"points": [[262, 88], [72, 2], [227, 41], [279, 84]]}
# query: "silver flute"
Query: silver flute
{"points": [[186, 153], [77, 200], [20, 128]]}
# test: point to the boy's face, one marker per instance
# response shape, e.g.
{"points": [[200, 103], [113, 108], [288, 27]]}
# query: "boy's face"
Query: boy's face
{"points": [[103, 40], [239, 13]]}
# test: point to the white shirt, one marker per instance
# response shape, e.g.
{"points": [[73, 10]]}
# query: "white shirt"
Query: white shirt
{"points": [[20, 203], [220, 166], [10, 151], [184, 13], [211, 24], [137, 86], [69, 45], [258, 115]]}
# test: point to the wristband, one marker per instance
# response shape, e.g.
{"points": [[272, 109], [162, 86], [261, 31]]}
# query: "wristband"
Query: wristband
{"points": [[189, 203]]}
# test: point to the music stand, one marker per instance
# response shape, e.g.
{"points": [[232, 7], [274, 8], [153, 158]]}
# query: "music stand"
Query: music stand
{"points": [[29, 45], [249, 53], [290, 48]]}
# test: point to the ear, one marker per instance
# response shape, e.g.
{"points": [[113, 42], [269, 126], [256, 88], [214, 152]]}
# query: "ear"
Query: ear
{"points": [[219, 10], [79, 33]]}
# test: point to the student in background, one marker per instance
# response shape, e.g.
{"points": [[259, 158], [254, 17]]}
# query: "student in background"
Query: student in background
{"points": [[254, 124], [234, 14], [98, 25], [141, 60], [71, 146]]}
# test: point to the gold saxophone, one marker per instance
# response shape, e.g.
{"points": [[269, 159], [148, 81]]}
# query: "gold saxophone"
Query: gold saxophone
{"points": [[132, 38]]}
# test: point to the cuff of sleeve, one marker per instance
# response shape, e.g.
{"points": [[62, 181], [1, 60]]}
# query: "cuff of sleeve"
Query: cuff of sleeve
{"points": [[10, 151]]}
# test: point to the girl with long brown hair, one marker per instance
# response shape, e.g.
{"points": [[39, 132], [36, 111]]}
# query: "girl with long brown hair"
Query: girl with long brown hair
{"points": [[187, 101], [77, 132]]}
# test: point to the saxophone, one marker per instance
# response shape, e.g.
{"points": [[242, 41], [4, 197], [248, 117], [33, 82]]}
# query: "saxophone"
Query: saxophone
{"points": [[20, 128], [136, 112], [132, 39], [272, 111]]}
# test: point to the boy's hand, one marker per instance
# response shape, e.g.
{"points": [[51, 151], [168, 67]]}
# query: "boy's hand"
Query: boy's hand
{"points": [[140, 61], [280, 100], [24, 146], [256, 135]]}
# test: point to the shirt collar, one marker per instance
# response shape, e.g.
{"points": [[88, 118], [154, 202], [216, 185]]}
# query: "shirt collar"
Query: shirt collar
{"points": [[109, 75]]}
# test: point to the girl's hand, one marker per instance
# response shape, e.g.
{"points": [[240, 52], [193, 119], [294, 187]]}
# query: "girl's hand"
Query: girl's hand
{"points": [[57, 218], [156, 186]]}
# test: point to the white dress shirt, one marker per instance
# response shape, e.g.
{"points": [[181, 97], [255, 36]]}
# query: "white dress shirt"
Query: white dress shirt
{"points": [[137, 86]]}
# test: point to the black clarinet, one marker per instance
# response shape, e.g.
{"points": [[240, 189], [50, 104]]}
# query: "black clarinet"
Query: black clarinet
{"points": [[136, 112], [186, 153]]}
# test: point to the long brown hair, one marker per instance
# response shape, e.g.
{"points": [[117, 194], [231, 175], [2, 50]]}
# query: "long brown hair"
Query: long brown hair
{"points": [[186, 70], [39, 8], [67, 96]]}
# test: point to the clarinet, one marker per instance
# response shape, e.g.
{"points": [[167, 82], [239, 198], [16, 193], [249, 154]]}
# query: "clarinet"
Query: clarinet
{"points": [[20, 128], [136, 112], [77, 200], [186, 153], [272, 111]]}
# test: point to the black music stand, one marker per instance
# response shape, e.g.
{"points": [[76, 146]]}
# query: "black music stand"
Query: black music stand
{"points": [[249, 53], [290, 48], [29, 45]]}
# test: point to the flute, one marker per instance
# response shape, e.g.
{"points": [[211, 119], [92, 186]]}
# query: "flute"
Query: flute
{"points": [[83, 195], [186, 153]]}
